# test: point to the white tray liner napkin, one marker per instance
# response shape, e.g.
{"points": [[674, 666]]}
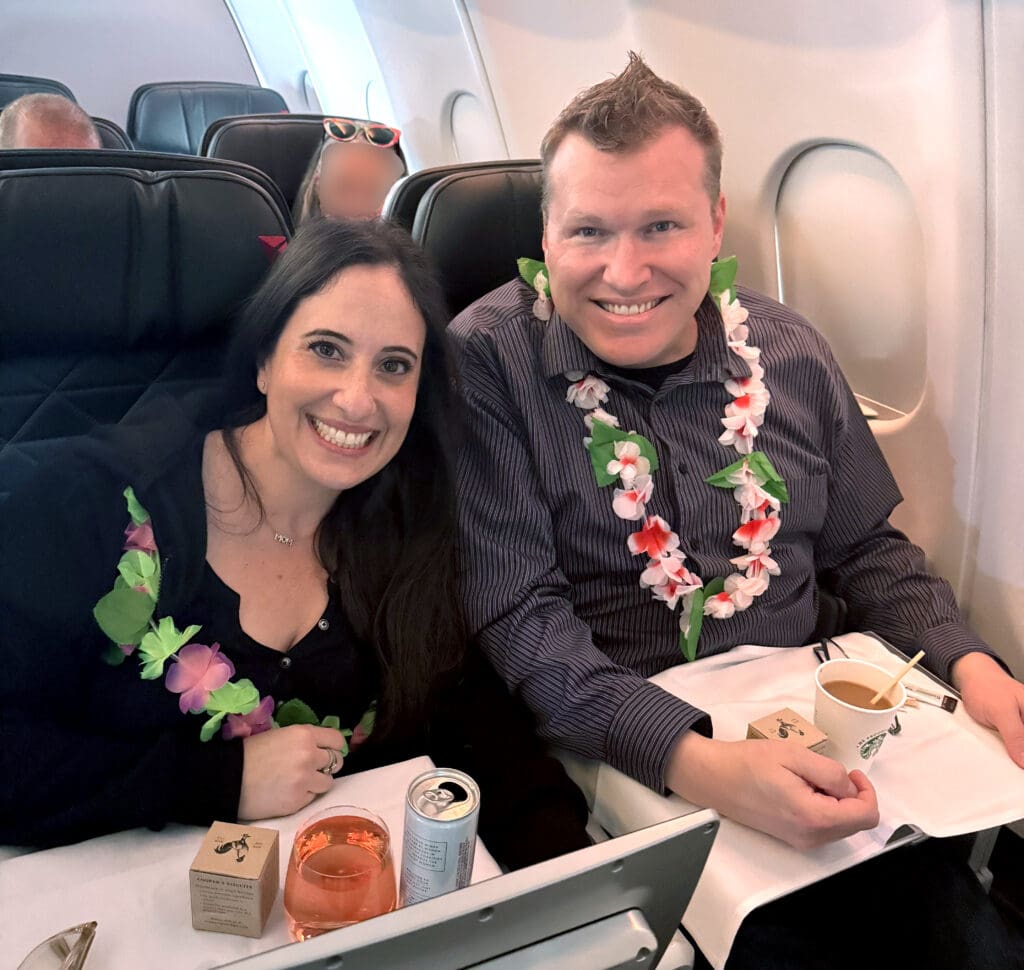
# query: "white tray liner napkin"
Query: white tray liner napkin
{"points": [[135, 885], [943, 774]]}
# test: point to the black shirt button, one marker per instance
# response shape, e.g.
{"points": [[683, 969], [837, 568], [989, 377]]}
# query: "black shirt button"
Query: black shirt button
{"points": [[683, 468], [324, 624], [695, 544], [285, 663]]}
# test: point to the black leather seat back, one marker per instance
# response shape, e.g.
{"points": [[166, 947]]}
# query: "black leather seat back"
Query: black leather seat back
{"points": [[404, 199], [476, 222], [173, 116], [279, 145], [25, 158], [116, 281], [14, 86], [112, 136]]}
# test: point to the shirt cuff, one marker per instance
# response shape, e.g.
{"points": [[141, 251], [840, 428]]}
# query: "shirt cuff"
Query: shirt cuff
{"points": [[645, 731], [943, 645]]}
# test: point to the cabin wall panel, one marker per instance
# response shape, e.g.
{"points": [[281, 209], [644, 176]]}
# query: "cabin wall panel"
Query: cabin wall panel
{"points": [[996, 578], [104, 49]]}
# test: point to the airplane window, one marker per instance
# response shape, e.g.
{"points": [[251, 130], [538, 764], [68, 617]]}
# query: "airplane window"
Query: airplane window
{"points": [[851, 258]]}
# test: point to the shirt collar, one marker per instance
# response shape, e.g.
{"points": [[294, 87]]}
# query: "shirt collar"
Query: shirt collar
{"points": [[563, 352]]}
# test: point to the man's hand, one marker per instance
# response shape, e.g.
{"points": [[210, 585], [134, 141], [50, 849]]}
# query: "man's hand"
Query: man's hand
{"points": [[774, 786], [993, 698]]}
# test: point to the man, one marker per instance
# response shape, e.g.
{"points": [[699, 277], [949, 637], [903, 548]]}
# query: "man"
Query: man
{"points": [[573, 617], [46, 121]]}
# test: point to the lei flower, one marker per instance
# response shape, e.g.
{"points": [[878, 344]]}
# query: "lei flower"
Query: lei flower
{"points": [[630, 460], [200, 674]]}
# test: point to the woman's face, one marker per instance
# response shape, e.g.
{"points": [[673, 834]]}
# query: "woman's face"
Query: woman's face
{"points": [[341, 383], [355, 178]]}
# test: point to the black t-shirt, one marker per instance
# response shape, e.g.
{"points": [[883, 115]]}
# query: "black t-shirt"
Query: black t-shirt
{"points": [[653, 377]]}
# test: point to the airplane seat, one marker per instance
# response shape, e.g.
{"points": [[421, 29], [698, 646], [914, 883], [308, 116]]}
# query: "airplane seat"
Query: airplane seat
{"points": [[31, 158], [279, 145], [14, 86], [475, 221], [112, 136], [172, 116], [404, 197], [116, 282]]}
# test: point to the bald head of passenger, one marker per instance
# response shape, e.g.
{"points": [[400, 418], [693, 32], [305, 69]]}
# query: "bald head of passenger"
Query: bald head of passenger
{"points": [[46, 121]]}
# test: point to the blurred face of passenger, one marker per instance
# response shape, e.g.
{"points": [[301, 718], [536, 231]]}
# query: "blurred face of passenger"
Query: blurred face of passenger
{"points": [[32, 133], [629, 239], [355, 178], [341, 383]]}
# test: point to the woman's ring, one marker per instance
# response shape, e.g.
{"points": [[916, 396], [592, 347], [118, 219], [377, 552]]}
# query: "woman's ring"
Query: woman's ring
{"points": [[331, 766]]}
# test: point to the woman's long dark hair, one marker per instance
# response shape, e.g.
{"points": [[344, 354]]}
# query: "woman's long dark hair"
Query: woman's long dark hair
{"points": [[400, 594]]}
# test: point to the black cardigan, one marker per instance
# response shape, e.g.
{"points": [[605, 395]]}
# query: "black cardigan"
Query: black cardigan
{"points": [[87, 749]]}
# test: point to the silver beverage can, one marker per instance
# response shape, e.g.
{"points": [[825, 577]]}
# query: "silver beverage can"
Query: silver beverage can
{"points": [[441, 813]]}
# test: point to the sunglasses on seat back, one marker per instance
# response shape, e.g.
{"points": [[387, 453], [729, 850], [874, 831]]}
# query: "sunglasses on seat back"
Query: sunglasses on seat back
{"points": [[345, 129]]}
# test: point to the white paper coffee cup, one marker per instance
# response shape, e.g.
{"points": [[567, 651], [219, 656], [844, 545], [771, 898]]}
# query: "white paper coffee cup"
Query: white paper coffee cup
{"points": [[855, 734]]}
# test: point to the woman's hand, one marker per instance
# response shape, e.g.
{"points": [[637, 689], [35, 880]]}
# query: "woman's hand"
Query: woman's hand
{"points": [[777, 787], [281, 772]]}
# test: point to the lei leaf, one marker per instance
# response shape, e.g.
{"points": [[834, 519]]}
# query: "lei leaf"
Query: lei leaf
{"points": [[163, 641], [369, 719], [331, 721], [114, 655], [135, 509], [759, 464], [124, 613], [723, 277], [233, 698], [295, 712], [716, 586], [602, 449], [688, 640], [139, 568], [528, 270]]}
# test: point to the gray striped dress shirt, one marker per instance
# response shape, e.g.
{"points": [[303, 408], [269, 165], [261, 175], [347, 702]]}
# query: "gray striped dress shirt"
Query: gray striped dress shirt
{"points": [[551, 590]]}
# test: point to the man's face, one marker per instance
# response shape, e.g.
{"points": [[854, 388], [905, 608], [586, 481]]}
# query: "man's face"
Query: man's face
{"points": [[32, 133], [628, 241]]}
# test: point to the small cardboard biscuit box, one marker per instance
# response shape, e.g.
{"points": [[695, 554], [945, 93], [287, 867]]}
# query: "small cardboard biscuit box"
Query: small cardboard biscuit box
{"points": [[787, 725], [234, 879]]}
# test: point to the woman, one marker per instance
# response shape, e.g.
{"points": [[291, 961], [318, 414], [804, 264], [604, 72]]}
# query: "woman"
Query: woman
{"points": [[289, 551], [351, 172]]}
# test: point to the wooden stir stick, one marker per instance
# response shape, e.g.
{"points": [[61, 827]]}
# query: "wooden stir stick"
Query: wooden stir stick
{"points": [[899, 676]]}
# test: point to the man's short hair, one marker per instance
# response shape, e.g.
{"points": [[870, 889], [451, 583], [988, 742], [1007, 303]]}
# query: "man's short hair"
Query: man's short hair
{"points": [[622, 113], [50, 111]]}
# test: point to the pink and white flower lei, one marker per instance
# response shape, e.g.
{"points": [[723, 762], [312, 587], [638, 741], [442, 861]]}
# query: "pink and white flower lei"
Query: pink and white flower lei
{"points": [[666, 575]]}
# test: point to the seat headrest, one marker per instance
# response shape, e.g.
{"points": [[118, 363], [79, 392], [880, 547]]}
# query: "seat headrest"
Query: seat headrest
{"points": [[476, 223], [14, 86], [112, 136], [173, 116], [30, 158], [404, 198], [279, 145], [108, 259]]}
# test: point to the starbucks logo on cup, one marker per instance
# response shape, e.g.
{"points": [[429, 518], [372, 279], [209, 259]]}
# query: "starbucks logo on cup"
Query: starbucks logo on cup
{"points": [[869, 746]]}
